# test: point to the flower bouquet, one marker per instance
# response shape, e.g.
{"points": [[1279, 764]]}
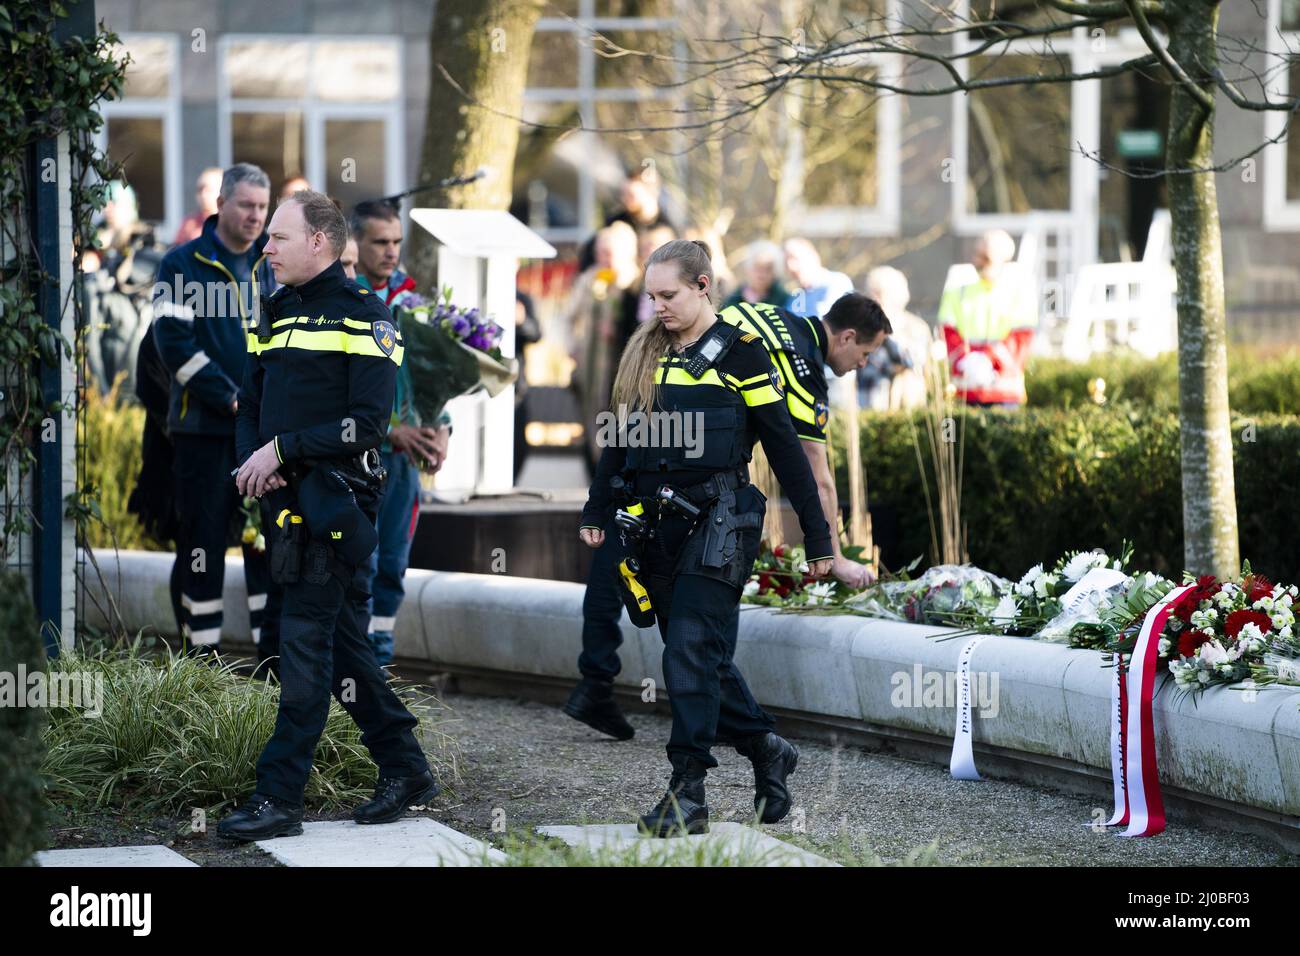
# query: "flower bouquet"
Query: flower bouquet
{"points": [[780, 579], [1039, 596], [1220, 632], [450, 351], [947, 594]]}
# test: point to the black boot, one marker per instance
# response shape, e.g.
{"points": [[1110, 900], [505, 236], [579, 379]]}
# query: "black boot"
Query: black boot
{"points": [[774, 758], [592, 702], [393, 795], [682, 808], [261, 818]]}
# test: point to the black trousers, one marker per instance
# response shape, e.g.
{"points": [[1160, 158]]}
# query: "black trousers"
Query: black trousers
{"points": [[698, 619], [206, 502], [602, 609], [324, 650]]}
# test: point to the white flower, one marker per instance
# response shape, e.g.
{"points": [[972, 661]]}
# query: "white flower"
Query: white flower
{"points": [[1032, 575], [1263, 604], [1005, 612], [803, 567], [1212, 652], [822, 589], [751, 587], [1081, 564], [1203, 676], [1250, 632], [1040, 586], [1165, 646], [1285, 633]]}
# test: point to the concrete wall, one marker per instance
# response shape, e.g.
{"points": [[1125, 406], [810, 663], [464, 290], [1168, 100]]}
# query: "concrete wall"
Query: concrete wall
{"points": [[1043, 699]]}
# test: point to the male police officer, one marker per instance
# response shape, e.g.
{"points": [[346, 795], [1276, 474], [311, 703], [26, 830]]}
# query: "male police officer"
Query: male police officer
{"points": [[854, 327], [317, 396], [205, 290]]}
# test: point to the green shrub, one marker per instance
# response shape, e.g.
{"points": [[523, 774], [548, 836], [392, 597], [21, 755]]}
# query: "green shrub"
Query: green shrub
{"points": [[177, 734], [1258, 383], [1039, 482], [23, 808], [112, 450]]}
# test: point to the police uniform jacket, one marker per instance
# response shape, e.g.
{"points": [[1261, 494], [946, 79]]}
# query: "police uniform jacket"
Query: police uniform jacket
{"points": [[320, 385], [203, 299]]}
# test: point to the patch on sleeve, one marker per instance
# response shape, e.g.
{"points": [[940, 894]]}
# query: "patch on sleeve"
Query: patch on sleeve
{"points": [[822, 413], [385, 335], [775, 376]]}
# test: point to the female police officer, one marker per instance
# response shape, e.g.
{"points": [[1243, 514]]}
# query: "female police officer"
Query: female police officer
{"points": [[710, 380]]}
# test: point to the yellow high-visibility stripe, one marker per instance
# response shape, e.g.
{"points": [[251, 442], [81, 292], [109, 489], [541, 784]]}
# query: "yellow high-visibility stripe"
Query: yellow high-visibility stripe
{"points": [[324, 340], [674, 375], [772, 342], [750, 381], [799, 410], [761, 396]]}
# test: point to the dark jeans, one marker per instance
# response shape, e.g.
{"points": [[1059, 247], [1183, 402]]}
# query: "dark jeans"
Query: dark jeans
{"points": [[698, 620], [386, 568], [324, 650], [602, 609]]}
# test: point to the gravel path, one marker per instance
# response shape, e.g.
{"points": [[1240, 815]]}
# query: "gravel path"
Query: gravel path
{"points": [[542, 767]]}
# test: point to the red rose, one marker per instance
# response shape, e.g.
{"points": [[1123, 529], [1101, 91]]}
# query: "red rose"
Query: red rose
{"points": [[1239, 619], [782, 590], [779, 551], [764, 582]]}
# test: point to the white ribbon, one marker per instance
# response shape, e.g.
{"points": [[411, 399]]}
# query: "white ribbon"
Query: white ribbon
{"points": [[962, 764]]}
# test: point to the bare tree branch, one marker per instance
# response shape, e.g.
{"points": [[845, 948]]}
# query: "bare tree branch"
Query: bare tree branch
{"points": [[1230, 91], [1114, 10]]}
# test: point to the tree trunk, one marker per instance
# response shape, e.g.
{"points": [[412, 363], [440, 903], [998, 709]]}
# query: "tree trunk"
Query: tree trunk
{"points": [[1209, 496], [484, 47]]}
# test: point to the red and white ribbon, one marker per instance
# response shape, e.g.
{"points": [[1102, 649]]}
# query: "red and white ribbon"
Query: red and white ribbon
{"points": [[1133, 746]]}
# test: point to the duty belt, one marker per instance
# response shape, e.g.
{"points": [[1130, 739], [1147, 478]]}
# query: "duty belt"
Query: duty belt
{"points": [[715, 486]]}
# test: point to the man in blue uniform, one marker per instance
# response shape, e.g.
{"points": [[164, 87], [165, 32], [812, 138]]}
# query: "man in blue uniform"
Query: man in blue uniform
{"points": [[204, 293], [799, 346], [317, 395]]}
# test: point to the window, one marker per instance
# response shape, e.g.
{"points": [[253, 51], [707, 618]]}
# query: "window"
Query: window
{"points": [[1281, 160], [325, 108], [142, 130]]}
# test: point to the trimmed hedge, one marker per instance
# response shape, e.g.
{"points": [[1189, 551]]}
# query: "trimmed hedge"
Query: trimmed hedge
{"points": [[1257, 383], [23, 806], [1040, 482]]}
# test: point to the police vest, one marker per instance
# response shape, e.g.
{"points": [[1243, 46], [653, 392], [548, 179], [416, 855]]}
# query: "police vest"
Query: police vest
{"points": [[700, 422]]}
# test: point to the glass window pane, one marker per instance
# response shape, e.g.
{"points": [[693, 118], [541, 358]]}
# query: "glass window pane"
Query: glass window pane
{"points": [[1291, 15], [273, 141], [630, 58], [554, 60], [1293, 139], [356, 71], [149, 72], [1019, 139], [268, 69], [354, 160], [137, 142], [1018, 12], [840, 142]]}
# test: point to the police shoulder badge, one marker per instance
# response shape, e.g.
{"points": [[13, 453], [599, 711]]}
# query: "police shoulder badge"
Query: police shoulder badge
{"points": [[822, 412], [385, 335], [775, 376]]}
